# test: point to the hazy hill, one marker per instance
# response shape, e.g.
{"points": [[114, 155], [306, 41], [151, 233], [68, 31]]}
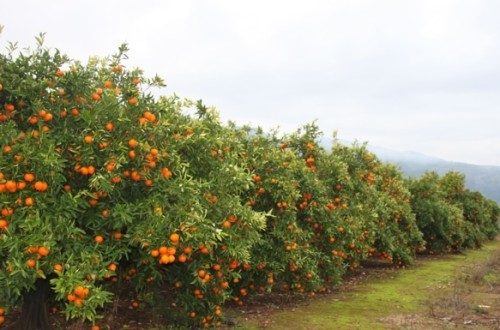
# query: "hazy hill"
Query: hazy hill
{"points": [[485, 179]]}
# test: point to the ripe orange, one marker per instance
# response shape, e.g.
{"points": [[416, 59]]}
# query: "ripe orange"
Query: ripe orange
{"points": [[110, 166], [41, 186], [33, 120], [43, 251], [3, 224], [78, 302], [171, 250], [29, 177], [108, 84], [88, 139], [21, 185], [83, 170], [154, 152], [166, 173], [135, 176], [132, 100], [109, 127], [80, 291], [9, 107], [48, 117], [164, 259], [174, 237], [11, 186], [99, 239], [31, 263], [204, 250], [7, 211], [91, 169], [163, 250], [132, 143], [29, 201], [149, 116]]}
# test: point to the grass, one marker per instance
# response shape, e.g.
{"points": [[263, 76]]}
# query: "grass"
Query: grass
{"points": [[399, 299]]}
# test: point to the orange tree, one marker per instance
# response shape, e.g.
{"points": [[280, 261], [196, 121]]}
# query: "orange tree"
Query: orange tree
{"points": [[482, 213], [401, 238], [440, 222], [290, 256], [450, 216], [479, 214], [319, 206], [102, 184], [379, 220], [106, 190], [283, 258]]}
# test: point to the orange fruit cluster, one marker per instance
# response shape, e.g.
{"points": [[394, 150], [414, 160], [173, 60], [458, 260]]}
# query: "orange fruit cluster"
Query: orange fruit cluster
{"points": [[77, 297]]}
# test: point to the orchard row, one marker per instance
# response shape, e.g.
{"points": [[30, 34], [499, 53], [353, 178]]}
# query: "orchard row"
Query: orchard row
{"points": [[105, 186]]}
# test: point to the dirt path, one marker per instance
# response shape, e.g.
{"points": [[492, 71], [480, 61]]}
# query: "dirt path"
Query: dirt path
{"points": [[448, 292]]}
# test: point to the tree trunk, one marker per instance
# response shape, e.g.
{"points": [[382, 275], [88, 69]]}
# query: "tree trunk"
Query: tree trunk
{"points": [[35, 313]]}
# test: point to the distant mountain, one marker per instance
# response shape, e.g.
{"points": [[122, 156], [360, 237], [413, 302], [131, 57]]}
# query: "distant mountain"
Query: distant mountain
{"points": [[482, 178], [485, 179]]}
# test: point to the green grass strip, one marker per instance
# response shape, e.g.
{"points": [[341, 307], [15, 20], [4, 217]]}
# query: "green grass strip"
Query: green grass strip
{"points": [[400, 292]]}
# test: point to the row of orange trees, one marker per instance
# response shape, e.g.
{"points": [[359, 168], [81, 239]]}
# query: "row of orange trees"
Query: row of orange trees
{"points": [[105, 186]]}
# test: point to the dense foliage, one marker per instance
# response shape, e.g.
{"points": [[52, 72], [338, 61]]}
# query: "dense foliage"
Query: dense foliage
{"points": [[104, 186]]}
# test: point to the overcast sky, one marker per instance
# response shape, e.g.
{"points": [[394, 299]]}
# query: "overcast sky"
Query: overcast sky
{"points": [[405, 75]]}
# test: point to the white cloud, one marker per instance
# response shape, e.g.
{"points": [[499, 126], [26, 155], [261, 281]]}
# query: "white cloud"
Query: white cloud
{"points": [[420, 75]]}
